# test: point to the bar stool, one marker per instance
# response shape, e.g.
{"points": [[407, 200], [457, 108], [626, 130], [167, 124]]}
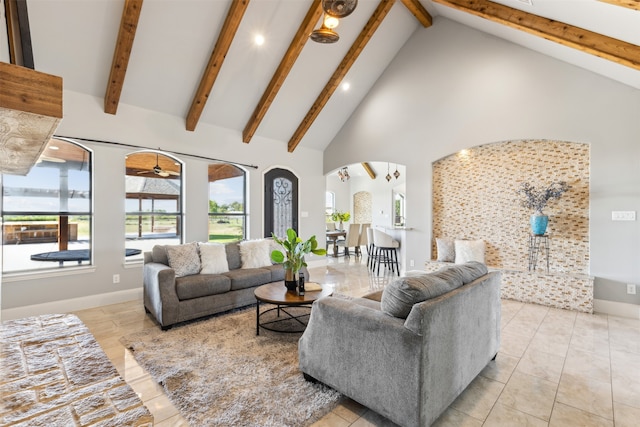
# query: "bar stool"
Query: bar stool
{"points": [[386, 251], [371, 256]]}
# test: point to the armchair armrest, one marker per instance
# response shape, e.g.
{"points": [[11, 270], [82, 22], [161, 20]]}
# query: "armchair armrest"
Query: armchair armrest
{"points": [[160, 297]]}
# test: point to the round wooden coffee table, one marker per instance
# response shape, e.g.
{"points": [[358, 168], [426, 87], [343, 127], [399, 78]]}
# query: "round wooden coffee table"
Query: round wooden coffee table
{"points": [[276, 293]]}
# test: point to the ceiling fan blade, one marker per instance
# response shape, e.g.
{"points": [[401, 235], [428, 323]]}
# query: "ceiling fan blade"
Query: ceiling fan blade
{"points": [[163, 174], [143, 172], [173, 173]]}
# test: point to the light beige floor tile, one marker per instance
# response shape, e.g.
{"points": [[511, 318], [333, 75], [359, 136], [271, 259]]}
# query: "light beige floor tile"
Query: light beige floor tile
{"points": [[372, 419], [586, 394], [146, 388], [522, 326], [625, 416], [478, 398], [454, 418], [541, 364], [532, 395], [161, 408], [175, 421], [627, 340], [513, 344], [501, 416], [331, 420], [591, 365], [350, 410], [551, 340], [566, 416], [591, 323], [595, 342], [626, 388], [501, 368]]}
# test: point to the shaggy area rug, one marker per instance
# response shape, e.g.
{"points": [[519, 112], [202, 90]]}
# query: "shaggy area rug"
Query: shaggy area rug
{"points": [[218, 372]]}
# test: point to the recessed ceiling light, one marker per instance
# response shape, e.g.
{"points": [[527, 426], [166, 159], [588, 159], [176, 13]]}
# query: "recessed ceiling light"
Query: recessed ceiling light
{"points": [[346, 86], [258, 39]]}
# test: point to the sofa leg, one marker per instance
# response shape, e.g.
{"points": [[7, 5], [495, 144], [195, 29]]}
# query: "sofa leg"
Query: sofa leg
{"points": [[309, 378], [146, 310], [166, 328], [494, 356]]}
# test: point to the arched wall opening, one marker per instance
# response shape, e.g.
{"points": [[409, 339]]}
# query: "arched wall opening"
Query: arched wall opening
{"points": [[475, 198]]}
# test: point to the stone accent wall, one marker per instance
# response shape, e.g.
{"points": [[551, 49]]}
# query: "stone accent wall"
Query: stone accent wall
{"points": [[571, 292], [474, 197], [362, 207], [54, 373]]}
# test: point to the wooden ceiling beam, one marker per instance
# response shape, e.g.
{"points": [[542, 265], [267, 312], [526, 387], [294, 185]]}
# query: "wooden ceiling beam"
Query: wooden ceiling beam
{"points": [[286, 64], [228, 32], [121, 54], [630, 4], [587, 41], [345, 65], [418, 10], [367, 167]]}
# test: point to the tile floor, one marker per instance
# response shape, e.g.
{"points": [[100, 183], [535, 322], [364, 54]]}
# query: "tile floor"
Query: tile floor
{"points": [[554, 368]]}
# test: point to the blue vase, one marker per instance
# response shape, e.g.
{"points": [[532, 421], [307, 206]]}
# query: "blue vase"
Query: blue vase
{"points": [[539, 224]]}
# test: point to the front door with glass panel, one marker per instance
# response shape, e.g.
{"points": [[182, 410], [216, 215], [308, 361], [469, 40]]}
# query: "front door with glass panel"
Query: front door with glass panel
{"points": [[281, 202]]}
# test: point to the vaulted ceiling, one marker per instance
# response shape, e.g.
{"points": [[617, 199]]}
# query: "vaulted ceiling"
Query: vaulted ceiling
{"points": [[197, 59]]}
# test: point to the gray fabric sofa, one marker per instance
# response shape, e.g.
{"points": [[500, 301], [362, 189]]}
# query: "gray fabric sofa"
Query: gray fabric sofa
{"points": [[170, 299], [409, 366]]}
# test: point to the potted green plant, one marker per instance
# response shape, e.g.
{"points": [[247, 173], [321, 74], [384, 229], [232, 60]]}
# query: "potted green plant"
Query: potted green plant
{"points": [[537, 199], [340, 216], [292, 258]]}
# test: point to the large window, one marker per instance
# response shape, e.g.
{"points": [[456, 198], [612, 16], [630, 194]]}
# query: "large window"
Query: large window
{"points": [[153, 202], [227, 203], [329, 205], [47, 214]]}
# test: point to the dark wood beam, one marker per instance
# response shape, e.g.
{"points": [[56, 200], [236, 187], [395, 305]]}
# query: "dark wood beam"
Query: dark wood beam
{"points": [[419, 12], [568, 35], [19, 33], [345, 65], [228, 32], [288, 60], [121, 54]]}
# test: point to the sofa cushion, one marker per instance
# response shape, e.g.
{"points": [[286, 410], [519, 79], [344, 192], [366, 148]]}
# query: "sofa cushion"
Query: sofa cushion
{"points": [[233, 255], [445, 250], [469, 250], [202, 285], [184, 259], [213, 258], [400, 295], [255, 253], [159, 254], [277, 272], [248, 277]]}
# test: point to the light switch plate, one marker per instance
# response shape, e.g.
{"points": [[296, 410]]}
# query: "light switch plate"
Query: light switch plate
{"points": [[623, 215]]}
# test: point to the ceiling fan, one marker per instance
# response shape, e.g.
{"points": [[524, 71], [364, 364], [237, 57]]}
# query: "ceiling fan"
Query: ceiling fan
{"points": [[157, 170]]}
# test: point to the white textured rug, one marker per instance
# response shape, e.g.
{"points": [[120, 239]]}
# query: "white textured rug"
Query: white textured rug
{"points": [[218, 372]]}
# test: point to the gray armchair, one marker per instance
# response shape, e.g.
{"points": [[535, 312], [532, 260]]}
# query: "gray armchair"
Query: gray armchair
{"points": [[406, 369]]}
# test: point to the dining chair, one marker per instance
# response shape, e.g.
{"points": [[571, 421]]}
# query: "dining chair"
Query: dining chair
{"points": [[362, 239], [353, 237]]}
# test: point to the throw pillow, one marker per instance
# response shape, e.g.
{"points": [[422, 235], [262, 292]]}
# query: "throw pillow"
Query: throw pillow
{"points": [[469, 250], [255, 253], [446, 250], [184, 259], [213, 258]]}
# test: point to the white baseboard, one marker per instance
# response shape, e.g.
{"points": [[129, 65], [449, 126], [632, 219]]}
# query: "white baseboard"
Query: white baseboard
{"points": [[74, 304], [614, 308]]}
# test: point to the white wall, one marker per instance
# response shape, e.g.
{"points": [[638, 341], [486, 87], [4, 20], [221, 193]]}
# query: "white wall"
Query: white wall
{"points": [[452, 87], [84, 118]]}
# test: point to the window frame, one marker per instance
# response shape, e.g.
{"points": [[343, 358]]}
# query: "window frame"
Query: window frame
{"points": [[243, 215]]}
